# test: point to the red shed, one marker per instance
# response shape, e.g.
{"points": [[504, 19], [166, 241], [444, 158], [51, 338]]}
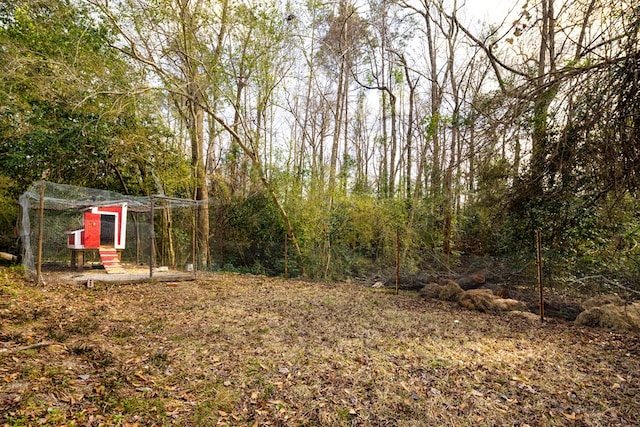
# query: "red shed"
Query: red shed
{"points": [[105, 229]]}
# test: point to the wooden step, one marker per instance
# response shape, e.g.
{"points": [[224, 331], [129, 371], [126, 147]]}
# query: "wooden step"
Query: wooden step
{"points": [[111, 261]]}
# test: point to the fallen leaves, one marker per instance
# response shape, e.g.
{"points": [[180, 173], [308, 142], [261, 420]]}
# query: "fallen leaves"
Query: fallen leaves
{"points": [[254, 351]]}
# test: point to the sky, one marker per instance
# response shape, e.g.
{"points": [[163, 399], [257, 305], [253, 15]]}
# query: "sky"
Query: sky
{"points": [[492, 11]]}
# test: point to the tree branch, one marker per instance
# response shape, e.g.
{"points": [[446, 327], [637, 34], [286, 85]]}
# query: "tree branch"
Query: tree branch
{"points": [[26, 347], [607, 281]]}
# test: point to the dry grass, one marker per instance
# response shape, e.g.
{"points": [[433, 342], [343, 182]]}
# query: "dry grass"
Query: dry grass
{"points": [[245, 350], [612, 316]]}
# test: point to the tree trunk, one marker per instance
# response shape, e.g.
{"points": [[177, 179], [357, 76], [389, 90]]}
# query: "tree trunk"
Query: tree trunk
{"points": [[337, 116], [543, 99], [435, 176], [409, 135], [394, 145], [196, 123]]}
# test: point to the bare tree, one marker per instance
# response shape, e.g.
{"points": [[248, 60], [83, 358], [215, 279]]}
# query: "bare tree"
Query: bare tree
{"points": [[168, 39]]}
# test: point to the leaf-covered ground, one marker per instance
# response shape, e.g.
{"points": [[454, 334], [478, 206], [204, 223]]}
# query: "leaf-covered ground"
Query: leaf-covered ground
{"points": [[255, 351]]}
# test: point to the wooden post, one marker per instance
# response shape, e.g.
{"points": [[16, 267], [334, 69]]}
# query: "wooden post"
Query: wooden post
{"points": [[194, 242], [286, 255], [152, 238], [163, 239], [539, 261], [77, 259], [19, 232], [397, 261], [136, 221], [40, 235]]}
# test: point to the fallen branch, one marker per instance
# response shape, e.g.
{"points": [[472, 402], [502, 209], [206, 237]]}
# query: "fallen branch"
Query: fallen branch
{"points": [[8, 257], [607, 281], [26, 347]]}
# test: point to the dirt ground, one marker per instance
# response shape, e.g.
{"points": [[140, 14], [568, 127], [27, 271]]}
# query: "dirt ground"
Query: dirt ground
{"points": [[255, 351]]}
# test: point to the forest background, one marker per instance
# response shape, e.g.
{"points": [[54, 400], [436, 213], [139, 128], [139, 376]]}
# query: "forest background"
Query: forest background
{"points": [[329, 138]]}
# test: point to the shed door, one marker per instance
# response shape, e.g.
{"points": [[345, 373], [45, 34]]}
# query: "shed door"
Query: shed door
{"points": [[91, 230], [107, 230]]}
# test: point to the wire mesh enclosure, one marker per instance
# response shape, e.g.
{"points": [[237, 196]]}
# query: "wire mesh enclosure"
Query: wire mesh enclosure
{"points": [[63, 227]]}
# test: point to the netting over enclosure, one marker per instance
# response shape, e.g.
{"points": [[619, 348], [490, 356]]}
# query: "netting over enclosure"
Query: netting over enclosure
{"points": [[63, 226]]}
